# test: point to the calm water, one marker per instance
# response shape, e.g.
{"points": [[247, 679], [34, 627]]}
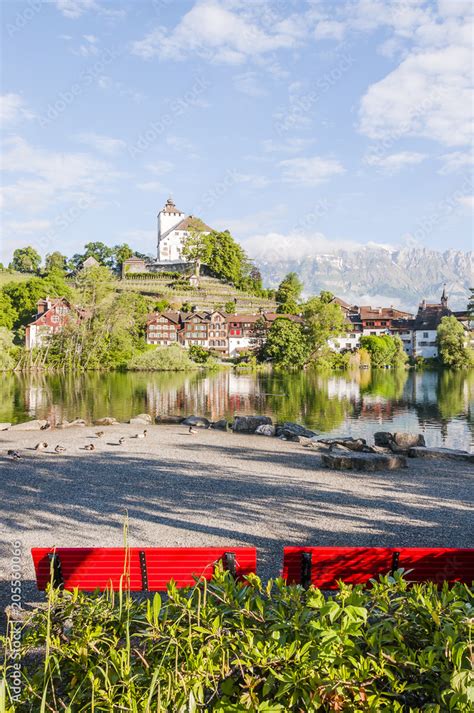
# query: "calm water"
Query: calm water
{"points": [[438, 404]]}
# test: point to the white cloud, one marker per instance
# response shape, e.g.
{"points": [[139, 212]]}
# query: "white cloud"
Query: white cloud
{"points": [[393, 163], [218, 33], [152, 187], [104, 144], [247, 83], [46, 178], [329, 30], [456, 161], [251, 179], [466, 201], [160, 167], [13, 108], [288, 146], [179, 143], [26, 227], [310, 171], [75, 8], [274, 246]]}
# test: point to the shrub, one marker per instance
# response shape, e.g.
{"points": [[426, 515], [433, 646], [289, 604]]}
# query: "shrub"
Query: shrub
{"points": [[172, 358], [226, 646]]}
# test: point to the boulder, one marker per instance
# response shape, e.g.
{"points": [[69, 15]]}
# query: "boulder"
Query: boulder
{"points": [[196, 421], [441, 453], [313, 444], [143, 419], [289, 430], [383, 438], [352, 444], [265, 430], [345, 460], [106, 421], [221, 425], [35, 425], [78, 423], [409, 440], [249, 424], [4, 426], [168, 420]]}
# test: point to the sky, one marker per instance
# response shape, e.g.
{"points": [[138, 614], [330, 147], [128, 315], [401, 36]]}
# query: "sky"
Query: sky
{"points": [[302, 126]]}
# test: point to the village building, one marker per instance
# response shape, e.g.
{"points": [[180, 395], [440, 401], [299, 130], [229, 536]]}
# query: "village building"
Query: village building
{"points": [[403, 328], [241, 332], [51, 317], [174, 227], [350, 341], [218, 332], [378, 320], [425, 326], [195, 330], [162, 329]]}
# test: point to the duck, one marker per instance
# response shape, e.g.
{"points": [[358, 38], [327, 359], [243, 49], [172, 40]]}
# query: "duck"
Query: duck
{"points": [[59, 448], [191, 430], [14, 455], [121, 440], [99, 434], [89, 447], [141, 435], [41, 446]]}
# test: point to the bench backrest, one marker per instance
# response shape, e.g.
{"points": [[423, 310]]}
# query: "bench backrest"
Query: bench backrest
{"points": [[137, 568], [325, 566]]}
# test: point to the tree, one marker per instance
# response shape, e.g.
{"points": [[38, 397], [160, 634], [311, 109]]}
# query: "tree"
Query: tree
{"points": [[6, 350], [286, 345], [196, 248], [322, 321], [121, 253], [94, 285], [227, 260], [289, 294], [8, 314], [452, 348], [26, 260], [229, 307], [25, 295], [55, 261]]}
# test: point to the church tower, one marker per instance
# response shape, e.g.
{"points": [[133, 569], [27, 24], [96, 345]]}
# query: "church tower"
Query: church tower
{"points": [[444, 298], [168, 218]]}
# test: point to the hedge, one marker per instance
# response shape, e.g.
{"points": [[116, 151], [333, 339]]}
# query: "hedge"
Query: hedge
{"points": [[224, 646]]}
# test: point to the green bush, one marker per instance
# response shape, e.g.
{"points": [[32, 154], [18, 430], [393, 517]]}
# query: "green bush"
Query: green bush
{"points": [[172, 358], [227, 647]]}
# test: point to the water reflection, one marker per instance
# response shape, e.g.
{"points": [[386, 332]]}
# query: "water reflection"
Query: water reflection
{"points": [[440, 404]]}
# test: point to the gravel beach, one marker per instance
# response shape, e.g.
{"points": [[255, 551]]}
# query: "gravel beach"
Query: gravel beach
{"points": [[214, 488]]}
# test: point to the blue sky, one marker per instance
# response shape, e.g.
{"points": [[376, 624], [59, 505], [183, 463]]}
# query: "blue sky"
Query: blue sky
{"points": [[302, 126]]}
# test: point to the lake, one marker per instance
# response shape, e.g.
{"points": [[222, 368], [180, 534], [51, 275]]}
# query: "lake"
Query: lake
{"points": [[439, 404]]}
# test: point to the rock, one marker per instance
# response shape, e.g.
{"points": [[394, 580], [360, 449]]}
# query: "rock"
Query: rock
{"points": [[378, 449], [221, 425], [4, 426], [78, 422], [289, 430], [383, 438], [35, 425], [313, 444], [352, 444], [143, 419], [249, 424], [168, 420], [441, 453], [409, 440], [106, 421], [265, 430], [196, 421], [343, 460]]}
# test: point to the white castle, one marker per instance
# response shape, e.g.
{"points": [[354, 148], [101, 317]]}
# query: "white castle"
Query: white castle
{"points": [[174, 227]]}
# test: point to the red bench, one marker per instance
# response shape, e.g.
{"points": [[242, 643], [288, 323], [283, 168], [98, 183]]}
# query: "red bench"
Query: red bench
{"points": [[136, 569], [323, 567]]}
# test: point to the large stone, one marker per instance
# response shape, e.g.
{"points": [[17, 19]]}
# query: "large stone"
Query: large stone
{"points": [[106, 421], [265, 430], [383, 438], [441, 453], [168, 420], [197, 422], [290, 430], [249, 424], [221, 425], [4, 426], [35, 425], [352, 444], [408, 440], [77, 423], [143, 419], [313, 443], [346, 460]]}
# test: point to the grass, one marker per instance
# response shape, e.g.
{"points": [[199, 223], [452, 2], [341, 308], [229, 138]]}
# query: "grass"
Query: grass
{"points": [[6, 277], [224, 646]]}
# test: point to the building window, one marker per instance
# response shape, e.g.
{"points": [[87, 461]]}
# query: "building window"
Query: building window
{"points": [[425, 335]]}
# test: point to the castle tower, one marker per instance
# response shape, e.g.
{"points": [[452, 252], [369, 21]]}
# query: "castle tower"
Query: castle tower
{"points": [[168, 218]]}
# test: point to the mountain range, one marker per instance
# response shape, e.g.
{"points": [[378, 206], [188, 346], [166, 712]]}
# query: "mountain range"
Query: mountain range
{"points": [[380, 276]]}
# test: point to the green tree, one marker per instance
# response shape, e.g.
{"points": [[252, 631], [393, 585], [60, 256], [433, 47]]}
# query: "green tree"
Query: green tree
{"points": [[452, 348], [196, 247], [120, 254], [227, 259], [26, 260], [55, 261], [93, 286], [172, 358], [102, 253], [322, 321], [382, 349], [25, 295], [8, 314], [6, 349], [162, 305], [286, 345], [229, 307], [288, 294]]}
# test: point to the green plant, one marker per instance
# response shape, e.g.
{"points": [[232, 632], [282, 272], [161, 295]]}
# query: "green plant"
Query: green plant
{"points": [[172, 358], [224, 646]]}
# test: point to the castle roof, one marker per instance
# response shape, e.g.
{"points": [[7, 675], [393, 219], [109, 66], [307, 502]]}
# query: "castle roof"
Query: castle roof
{"points": [[170, 207], [192, 223]]}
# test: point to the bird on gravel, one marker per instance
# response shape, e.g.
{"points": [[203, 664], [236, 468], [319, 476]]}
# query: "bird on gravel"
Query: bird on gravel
{"points": [[191, 430], [41, 446], [45, 426], [89, 447], [59, 448], [121, 440], [141, 435], [14, 455], [99, 434]]}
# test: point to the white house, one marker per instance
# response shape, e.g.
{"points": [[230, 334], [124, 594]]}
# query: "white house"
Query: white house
{"points": [[174, 227], [425, 327]]}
